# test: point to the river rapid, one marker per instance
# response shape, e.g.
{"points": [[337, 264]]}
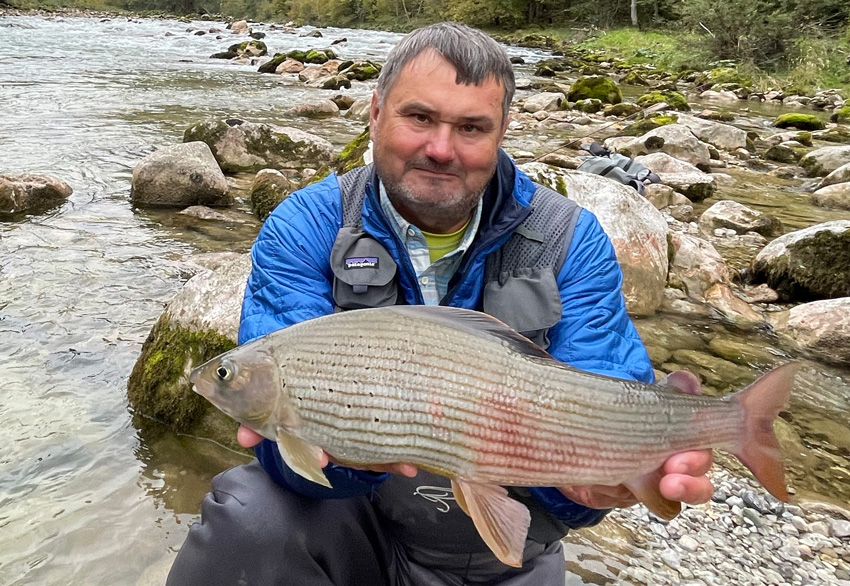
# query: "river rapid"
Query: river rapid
{"points": [[87, 494]]}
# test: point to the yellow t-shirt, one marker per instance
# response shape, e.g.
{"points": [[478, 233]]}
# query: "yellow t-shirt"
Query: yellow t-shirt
{"points": [[439, 245]]}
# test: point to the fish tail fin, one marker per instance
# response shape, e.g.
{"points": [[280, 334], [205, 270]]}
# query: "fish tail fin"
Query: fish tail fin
{"points": [[760, 450]]}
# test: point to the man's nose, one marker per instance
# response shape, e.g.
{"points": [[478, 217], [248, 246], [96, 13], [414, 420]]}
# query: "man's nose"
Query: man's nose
{"points": [[440, 145]]}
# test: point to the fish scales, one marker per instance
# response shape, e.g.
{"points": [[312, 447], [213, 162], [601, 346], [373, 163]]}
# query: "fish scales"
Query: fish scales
{"points": [[564, 430]]}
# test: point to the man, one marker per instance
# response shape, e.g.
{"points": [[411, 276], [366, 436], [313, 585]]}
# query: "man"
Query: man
{"points": [[438, 221]]}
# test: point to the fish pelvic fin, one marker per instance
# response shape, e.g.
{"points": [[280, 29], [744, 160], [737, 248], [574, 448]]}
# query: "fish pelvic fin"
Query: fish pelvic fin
{"points": [[645, 488], [760, 450], [501, 521], [304, 459]]}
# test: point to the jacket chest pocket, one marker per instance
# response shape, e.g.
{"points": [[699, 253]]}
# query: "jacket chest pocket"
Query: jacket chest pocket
{"points": [[526, 299], [364, 272]]}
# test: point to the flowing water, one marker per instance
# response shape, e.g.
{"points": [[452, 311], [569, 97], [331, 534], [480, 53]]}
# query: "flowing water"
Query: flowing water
{"points": [[87, 496]]}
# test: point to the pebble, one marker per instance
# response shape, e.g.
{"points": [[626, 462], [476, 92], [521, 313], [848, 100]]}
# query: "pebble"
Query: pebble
{"points": [[689, 543], [839, 528]]}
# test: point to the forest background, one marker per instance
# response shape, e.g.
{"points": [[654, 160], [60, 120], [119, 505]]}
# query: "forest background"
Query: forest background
{"points": [[800, 46]]}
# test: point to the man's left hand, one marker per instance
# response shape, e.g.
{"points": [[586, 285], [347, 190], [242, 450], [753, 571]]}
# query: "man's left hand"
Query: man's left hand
{"points": [[682, 478]]}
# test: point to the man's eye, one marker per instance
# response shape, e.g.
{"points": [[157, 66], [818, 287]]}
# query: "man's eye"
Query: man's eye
{"points": [[469, 128], [420, 118]]}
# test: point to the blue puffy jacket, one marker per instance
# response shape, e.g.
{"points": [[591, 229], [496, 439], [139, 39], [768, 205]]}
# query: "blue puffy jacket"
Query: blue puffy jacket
{"points": [[292, 280]]}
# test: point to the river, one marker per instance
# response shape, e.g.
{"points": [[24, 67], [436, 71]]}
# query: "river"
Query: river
{"points": [[87, 495]]}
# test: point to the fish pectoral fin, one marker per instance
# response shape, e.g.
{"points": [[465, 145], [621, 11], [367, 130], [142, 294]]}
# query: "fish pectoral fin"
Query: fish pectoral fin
{"points": [[645, 488], [304, 459], [501, 521]]}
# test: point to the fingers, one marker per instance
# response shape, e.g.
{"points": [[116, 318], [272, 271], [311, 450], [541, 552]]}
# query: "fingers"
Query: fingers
{"points": [[693, 490], [599, 496], [248, 438], [695, 463]]}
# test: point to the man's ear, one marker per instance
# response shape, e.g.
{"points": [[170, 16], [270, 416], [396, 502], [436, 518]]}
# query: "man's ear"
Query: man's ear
{"points": [[374, 110]]}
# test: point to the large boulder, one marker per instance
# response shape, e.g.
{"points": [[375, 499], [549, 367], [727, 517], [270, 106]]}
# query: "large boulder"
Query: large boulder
{"points": [[180, 176], [201, 322], [695, 265], [738, 217], [595, 87], [813, 263], [323, 108], [824, 161], [799, 121], [820, 329], [637, 230], [723, 136], [836, 196], [246, 146], [676, 140], [31, 193]]}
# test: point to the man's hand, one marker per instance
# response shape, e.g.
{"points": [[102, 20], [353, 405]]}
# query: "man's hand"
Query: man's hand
{"points": [[682, 478], [248, 438]]}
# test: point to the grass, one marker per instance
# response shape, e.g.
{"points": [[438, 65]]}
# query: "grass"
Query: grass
{"points": [[816, 63]]}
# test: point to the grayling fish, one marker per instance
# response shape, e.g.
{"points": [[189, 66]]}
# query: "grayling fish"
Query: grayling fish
{"points": [[459, 393]]}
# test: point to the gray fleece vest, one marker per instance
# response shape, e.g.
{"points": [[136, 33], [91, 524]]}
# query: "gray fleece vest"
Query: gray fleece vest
{"points": [[520, 287]]}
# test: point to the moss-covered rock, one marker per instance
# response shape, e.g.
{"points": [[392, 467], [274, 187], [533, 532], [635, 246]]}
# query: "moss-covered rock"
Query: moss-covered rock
{"points": [[673, 99], [799, 121], [298, 55], [199, 323], [809, 264], [717, 116], [249, 49], [361, 70], [352, 155], [634, 78], [270, 187], [271, 66], [595, 87], [317, 57], [550, 67], [159, 383], [245, 146], [623, 110], [658, 120], [590, 106], [842, 115], [723, 75], [839, 134], [782, 153], [225, 55]]}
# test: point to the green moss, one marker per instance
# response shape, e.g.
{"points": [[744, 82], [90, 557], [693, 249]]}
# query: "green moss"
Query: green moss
{"points": [[595, 87], [298, 55], [804, 137], [361, 71], [590, 106], [266, 197], [271, 66], [718, 116], [813, 268], [623, 109], [799, 121], [316, 57], [673, 99], [839, 134], [724, 75], [224, 55], [550, 67], [783, 154], [641, 127], [159, 386], [258, 48], [560, 186], [841, 115], [634, 78], [352, 154]]}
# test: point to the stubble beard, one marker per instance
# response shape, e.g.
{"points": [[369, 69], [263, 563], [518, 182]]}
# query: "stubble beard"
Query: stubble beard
{"points": [[432, 206]]}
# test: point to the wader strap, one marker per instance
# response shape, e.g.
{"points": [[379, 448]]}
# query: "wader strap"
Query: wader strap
{"points": [[352, 186]]}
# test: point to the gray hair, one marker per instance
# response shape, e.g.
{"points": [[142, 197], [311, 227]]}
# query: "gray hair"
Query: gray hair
{"points": [[475, 56]]}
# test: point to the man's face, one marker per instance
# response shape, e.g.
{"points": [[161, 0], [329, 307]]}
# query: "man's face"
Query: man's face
{"points": [[436, 142]]}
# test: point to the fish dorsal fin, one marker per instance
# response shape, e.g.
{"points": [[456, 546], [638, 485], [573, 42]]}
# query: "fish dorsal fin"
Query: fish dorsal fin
{"points": [[471, 322], [501, 521], [304, 459], [683, 380]]}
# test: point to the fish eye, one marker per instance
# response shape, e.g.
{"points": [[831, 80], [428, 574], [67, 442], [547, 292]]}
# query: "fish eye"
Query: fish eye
{"points": [[223, 373]]}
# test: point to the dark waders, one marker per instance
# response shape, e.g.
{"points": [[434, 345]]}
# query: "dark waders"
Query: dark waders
{"points": [[256, 533]]}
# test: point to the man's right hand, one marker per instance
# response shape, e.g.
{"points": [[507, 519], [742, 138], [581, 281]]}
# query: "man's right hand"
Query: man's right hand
{"points": [[248, 438]]}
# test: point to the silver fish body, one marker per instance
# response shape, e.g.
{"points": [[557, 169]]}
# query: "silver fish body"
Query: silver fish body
{"points": [[460, 394]]}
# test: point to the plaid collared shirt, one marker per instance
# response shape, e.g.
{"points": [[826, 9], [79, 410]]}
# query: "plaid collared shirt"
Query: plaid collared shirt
{"points": [[434, 277]]}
